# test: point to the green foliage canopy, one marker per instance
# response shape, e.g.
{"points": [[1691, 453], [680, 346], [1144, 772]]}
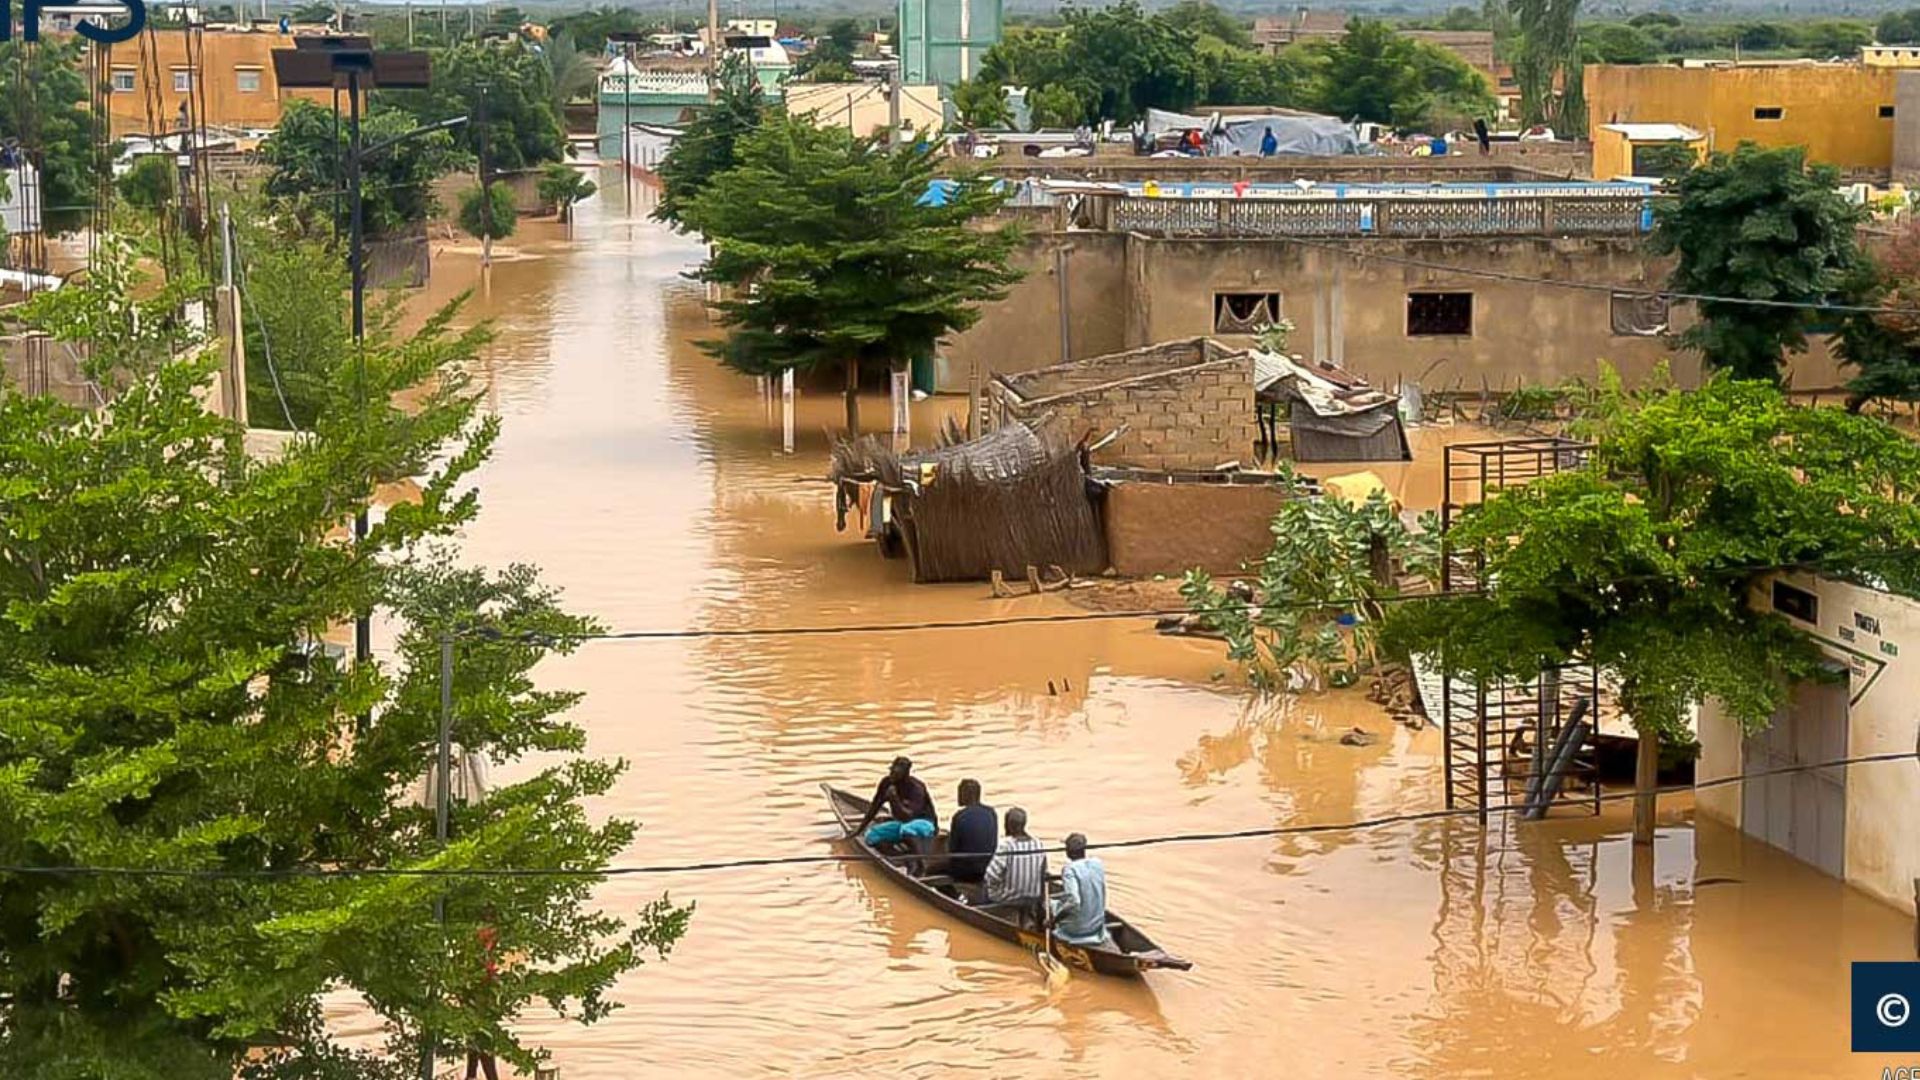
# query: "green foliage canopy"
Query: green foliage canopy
{"points": [[1375, 73], [706, 147], [981, 104], [1758, 224], [55, 121], [1643, 560], [488, 212], [561, 186], [148, 185], [523, 125], [165, 703], [1329, 557], [836, 255], [307, 179]]}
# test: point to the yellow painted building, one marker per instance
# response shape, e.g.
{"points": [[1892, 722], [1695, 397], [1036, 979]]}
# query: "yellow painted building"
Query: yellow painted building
{"points": [[1904, 56], [1619, 149], [234, 69], [1842, 113], [863, 108]]}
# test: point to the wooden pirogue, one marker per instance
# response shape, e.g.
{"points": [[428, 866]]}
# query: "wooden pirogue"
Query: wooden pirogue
{"points": [[1131, 952]]}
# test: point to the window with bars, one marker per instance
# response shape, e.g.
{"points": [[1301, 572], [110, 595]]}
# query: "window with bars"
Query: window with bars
{"points": [[1439, 314], [123, 80], [182, 80]]}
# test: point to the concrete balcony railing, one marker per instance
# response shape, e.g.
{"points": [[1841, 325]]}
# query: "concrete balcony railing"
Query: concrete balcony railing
{"points": [[1596, 212]]}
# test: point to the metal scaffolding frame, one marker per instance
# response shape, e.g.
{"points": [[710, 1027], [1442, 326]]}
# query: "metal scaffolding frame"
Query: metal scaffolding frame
{"points": [[1502, 739]]}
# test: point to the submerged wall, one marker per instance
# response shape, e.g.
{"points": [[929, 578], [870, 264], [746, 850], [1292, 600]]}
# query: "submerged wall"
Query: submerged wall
{"points": [[1171, 528], [1883, 798]]}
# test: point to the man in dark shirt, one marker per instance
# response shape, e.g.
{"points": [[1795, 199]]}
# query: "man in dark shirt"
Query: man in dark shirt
{"points": [[908, 803], [974, 836]]}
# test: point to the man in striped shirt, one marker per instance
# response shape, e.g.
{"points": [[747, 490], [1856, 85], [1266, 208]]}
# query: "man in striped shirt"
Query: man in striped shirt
{"points": [[1018, 873]]}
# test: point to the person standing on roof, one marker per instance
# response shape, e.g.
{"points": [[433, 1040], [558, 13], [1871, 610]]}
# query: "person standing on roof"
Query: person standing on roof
{"points": [[1269, 143]]}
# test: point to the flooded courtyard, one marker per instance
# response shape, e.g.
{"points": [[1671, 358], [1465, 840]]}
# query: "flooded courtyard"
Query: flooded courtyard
{"points": [[646, 481]]}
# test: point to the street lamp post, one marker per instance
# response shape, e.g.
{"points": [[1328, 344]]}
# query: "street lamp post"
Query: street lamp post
{"points": [[350, 62]]}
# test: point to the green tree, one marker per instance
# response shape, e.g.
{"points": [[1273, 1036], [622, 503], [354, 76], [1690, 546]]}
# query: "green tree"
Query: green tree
{"points": [[1201, 18], [592, 27], [1370, 74], [1547, 64], [1664, 160], [1884, 346], [1758, 224], [561, 186], [488, 212], [1642, 562], [1055, 106], [1377, 74], [1618, 43], [1898, 27], [148, 184], [830, 71], [47, 111], [571, 75], [295, 319], [833, 50], [839, 256], [1116, 62], [1122, 63], [705, 149], [165, 705], [1329, 558], [982, 104], [522, 124], [307, 162], [1829, 38], [1242, 77]]}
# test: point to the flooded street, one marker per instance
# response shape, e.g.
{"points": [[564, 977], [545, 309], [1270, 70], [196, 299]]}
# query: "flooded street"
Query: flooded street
{"points": [[645, 481]]}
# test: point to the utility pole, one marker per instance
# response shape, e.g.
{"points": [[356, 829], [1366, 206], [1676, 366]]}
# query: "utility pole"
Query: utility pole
{"points": [[486, 187], [409, 24], [357, 267], [713, 50], [443, 767], [893, 106], [626, 122]]}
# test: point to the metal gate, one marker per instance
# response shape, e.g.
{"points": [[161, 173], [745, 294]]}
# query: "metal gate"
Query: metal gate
{"points": [[1802, 813]]}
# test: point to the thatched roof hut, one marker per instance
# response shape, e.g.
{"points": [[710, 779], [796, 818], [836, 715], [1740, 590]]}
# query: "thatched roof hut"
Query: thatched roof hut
{"points": [[1011, 499]]}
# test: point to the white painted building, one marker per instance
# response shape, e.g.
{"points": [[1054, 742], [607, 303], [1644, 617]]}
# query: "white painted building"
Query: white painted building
{"points": [[1858, 822]]}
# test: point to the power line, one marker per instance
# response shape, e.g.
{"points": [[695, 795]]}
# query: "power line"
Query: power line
{"points": [[1160, 840], [1334, 604]]}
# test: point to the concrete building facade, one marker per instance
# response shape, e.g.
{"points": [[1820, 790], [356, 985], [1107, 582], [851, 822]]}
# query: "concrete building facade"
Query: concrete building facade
{"points": [[1444, 291], [229, 72], [1844, 114], [1177, 405], [1859, 822], [863, 108]]}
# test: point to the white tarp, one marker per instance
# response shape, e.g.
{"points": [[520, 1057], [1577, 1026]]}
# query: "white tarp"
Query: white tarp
{"points": [[1294, 133]]}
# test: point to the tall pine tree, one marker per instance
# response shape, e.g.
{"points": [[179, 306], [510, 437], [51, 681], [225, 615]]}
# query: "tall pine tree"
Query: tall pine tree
{"points": [[841, 252]]}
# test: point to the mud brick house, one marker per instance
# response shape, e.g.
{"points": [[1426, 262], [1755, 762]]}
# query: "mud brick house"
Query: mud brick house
{"points": [[1178, 405]]}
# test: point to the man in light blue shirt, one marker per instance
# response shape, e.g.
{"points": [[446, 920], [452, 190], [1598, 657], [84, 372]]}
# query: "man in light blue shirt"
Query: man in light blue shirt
{"points": [[1080, 913]]}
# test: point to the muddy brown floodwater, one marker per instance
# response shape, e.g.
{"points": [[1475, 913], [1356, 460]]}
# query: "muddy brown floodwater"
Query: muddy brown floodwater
{"points": [[645, 480]]}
